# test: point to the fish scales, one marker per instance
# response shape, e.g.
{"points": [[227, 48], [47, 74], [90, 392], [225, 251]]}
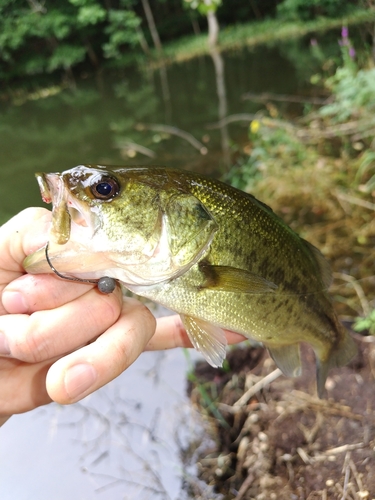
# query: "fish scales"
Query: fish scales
{"points": [[214, 254]]}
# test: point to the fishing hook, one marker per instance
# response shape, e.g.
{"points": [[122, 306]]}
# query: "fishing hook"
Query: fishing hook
{"points": [[105, 284]]}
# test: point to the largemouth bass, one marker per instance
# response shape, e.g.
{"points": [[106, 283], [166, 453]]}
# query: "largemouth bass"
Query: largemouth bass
{"points": [[214, 254]]}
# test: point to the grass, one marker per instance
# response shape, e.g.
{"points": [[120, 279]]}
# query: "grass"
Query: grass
{"points": [[255, 33]]}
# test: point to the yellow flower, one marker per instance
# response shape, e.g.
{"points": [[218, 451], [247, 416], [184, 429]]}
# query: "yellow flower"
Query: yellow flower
{"points": [[254, 126]]}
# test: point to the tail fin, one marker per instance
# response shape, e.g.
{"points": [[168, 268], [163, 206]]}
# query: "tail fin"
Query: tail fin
{"points": [[341, 353]]}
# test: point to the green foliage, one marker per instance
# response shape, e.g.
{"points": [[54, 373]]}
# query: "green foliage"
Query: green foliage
{"points": [[354, 94], [31, 31], [203, 6], [207, 392], [56, 24], [270, 143], [121, 30], [62, 34], [89, 12], [366, 323], [296, 10], [66, 56], [275, 145], [366, 171]]}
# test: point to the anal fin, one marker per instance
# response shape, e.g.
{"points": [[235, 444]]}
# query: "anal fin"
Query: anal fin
{"points": [[208, 339], [287, 358]]}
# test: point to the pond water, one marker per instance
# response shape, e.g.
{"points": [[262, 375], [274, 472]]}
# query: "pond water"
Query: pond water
{"points": [[126, 440], [104, 120]]}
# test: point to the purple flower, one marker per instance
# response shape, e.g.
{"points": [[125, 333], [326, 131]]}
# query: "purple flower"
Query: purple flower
{"points": [[344, 32], [313, 42], [352, 52]]}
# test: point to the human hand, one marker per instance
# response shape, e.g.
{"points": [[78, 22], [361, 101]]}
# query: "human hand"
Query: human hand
{"points": [[60, 340]]}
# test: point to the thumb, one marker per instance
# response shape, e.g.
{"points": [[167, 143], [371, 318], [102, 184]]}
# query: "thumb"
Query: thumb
{"points": [[20, 236]]}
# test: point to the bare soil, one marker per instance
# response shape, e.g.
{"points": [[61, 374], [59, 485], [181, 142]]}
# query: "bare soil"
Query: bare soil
{"points": [[285, 442]]}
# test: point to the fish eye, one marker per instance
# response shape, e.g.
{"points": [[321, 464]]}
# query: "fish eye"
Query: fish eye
{"points": [[105, 188]]}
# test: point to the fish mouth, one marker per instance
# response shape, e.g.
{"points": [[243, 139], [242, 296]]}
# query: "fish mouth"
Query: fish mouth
{"points": [[67, 214], [70, 224]]}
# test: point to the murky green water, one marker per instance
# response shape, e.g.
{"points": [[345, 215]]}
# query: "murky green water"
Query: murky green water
{"points": [[101, 120]]}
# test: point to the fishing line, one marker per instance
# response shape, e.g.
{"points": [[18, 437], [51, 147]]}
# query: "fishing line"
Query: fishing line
{"points": [[105, 284]]}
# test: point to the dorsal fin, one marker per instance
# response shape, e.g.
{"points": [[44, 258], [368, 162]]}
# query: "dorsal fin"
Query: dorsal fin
{"points": [[323, 265]]}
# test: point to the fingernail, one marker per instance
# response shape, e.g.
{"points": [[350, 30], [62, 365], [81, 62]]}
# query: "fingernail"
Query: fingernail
{"points": [[4, 346], [78, 379], [14, 302]]}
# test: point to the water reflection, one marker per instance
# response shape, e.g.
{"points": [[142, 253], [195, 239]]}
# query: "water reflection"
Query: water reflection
{"points": [[165, 93], [124, 441], [223, 105], [88, 124]]}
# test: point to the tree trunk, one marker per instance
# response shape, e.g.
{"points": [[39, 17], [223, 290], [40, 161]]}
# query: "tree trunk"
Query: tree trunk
{"points": [[195, 25], [256, 11], [213, 29], [142, 41], [151, 25], [91, 53]]}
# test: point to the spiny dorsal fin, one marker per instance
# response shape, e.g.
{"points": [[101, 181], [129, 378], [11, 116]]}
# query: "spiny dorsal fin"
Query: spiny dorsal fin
{"points": [[231, 279], [208, 339]]}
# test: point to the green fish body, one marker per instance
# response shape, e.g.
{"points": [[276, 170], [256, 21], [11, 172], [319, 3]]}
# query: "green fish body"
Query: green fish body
{"points": [[212, 253]]}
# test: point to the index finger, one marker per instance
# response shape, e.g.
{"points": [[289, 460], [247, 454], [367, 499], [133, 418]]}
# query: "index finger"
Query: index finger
{"points": [[170, 333], [20, 236]]}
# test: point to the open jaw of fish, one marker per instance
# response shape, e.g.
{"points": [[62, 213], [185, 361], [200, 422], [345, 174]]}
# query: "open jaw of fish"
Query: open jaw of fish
{"points": [[215, 255], [80, 247]]}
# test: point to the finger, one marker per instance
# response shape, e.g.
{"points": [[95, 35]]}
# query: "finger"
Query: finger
{"points": [[30, 293], [22, 235], [23, 386], [171, 333], [46, 334], [86, 370]]}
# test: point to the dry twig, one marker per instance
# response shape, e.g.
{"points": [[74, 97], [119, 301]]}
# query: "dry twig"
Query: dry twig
{"points": [[258, 387]]}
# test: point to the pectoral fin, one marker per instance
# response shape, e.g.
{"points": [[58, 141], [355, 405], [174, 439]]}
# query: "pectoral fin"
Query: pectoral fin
{"points": [[231, 279], [208, 339], [287, 358]]}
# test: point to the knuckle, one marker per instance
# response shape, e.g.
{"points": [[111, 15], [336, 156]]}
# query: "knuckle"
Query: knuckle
{"points": [[146, 316], [31, 345], [139, 308], [139, 330], [112, 304]]}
